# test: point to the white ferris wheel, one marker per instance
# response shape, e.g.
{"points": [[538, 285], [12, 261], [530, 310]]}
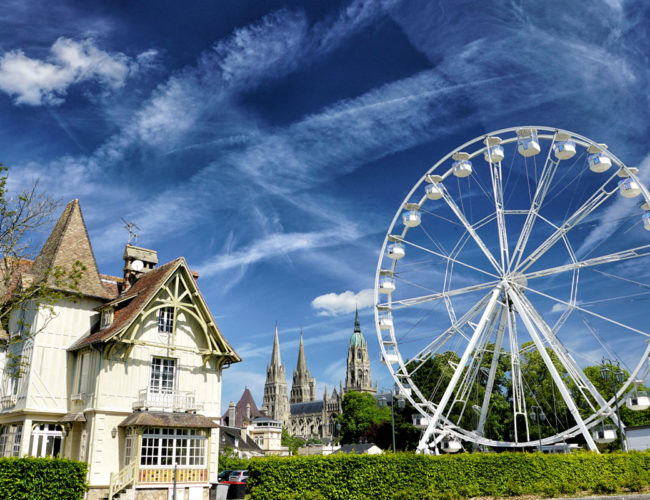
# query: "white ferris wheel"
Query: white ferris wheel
{"points": [[515, 262]]}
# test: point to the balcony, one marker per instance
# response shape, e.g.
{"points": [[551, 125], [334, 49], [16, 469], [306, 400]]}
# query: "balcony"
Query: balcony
{"points": [[8, 401], [167, 401]]}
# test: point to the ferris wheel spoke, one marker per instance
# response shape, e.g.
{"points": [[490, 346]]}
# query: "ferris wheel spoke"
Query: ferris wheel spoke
{"points": [[493, 370], [443, 256], [548, 173], [485, 318], [518, 398], [470, 229], [527, 318], [497, 188], [581, 381], [424, 354], [633, 253], [597, 199], [401, 303], [587, 311]]}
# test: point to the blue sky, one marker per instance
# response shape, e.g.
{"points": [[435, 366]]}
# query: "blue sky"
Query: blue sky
{"points": [[271, 143]]}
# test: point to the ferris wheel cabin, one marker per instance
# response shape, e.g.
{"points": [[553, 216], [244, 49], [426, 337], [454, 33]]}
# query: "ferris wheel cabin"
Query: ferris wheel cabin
{"points": [[564, 148], [598, 161], [462, 167], [527, 142], [494, 151]]}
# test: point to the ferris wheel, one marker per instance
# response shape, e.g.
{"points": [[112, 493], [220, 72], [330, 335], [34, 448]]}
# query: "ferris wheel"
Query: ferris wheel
{"points": [[517, 261]]}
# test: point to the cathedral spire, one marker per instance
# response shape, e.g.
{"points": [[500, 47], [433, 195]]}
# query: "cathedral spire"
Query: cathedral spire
{"points": [[275, 357], [357, 325], [304, 385], [302, 363]]}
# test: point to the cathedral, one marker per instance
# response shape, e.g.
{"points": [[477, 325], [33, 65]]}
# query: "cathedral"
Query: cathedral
{"points": [[301, 413]]}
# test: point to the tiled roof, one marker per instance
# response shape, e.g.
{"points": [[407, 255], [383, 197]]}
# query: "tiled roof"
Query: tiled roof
{"points": [[240, 410], [231, 437], [168, 419], [306, 408], [67, 244], [141, 292]]}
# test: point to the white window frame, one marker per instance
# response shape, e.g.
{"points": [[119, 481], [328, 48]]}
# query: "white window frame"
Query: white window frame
{"points": [[10, 439], [42, 435], [107, 317], [81, 377], [187, 448], [166, 319], [157, 379]]}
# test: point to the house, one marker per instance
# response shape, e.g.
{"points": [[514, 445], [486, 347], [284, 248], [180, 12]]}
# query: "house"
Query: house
{"points": [[123, 373], [241, 445], [253, 424], [361, 449], [318, 449]]}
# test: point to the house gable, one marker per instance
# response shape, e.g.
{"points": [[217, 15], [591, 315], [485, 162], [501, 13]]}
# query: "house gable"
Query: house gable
{"points": [[169, 287]]}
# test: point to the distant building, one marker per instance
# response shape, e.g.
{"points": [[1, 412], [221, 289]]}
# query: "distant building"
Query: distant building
{"points": [[123, 373], [244, 420], [361, 449], [318, 449], [303, 415]]}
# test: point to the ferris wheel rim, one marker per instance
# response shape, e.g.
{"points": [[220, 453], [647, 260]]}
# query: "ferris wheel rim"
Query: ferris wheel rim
{"points": [[421, 406]]}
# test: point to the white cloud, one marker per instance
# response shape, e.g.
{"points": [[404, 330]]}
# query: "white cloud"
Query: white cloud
{"points": [[36, 82], [558, 308], [333, 304]]}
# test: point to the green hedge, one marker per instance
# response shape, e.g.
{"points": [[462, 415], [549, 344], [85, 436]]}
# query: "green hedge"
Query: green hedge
{"points": [[408, 476], [42, 479]]}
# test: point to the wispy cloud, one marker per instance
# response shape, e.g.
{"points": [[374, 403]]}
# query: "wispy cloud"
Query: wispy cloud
{"points": [[36, 82], [334, 304]]}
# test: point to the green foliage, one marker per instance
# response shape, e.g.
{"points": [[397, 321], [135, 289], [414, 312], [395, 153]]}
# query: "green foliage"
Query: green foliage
{"points": [[407, 476], [361, 417], [293, 442], [42, 479], [229, 461]]}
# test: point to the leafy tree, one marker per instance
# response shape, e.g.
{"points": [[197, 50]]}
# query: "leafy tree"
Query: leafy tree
{"points": [[293, 442], [21, 215], [360, 413]]}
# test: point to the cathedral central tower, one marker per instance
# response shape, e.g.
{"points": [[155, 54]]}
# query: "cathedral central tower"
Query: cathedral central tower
{"points": [[357, 377]]}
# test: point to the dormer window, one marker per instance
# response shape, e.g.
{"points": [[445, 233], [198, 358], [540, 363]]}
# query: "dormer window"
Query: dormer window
{"points": [[107, 317], [166, 319]]}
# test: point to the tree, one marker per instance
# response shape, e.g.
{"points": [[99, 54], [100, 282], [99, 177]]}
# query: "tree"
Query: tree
{"points": [[21, 215], [360, 413]]}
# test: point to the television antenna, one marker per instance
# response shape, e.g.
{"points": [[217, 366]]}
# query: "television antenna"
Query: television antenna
{"points": [[131, 227]]}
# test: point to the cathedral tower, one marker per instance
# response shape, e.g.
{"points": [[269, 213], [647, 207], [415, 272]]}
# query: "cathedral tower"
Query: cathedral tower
{"points": [[357, 377], [303, 388], [276, 402]]}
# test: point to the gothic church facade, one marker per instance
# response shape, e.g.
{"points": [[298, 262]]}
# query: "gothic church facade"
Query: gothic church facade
{"points": [[302, 414]]}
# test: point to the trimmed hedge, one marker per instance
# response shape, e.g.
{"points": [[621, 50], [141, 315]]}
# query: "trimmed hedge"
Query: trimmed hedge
{"points": [[407, 476], [42, 479]]}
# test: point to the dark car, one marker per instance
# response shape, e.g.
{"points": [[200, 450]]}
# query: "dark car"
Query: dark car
{"points": [[224, 475]]}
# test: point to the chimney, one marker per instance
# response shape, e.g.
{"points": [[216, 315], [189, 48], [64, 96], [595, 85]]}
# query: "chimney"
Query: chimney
{"points": [[248, 411], [231, 414], [137, 261]]}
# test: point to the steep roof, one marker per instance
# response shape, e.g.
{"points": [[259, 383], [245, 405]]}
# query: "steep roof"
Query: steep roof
{"points": [[240, 410], [67, 244], [306, 407]]}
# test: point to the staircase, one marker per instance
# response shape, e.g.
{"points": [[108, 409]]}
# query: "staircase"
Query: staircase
{"points": [[122, 482]]}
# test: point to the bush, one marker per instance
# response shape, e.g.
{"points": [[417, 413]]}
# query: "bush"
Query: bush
{"points": [[42, 479], [407, 476]]}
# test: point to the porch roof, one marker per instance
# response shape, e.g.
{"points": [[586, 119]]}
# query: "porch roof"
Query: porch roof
{"points": [[168, 419]]}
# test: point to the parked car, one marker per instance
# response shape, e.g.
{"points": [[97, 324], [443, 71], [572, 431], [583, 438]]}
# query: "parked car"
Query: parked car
{"points": [[224, 475], [239, 476]]}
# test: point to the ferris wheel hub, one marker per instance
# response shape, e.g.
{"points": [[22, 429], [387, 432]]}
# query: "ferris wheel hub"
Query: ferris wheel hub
{"points": [[518, 281]]}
